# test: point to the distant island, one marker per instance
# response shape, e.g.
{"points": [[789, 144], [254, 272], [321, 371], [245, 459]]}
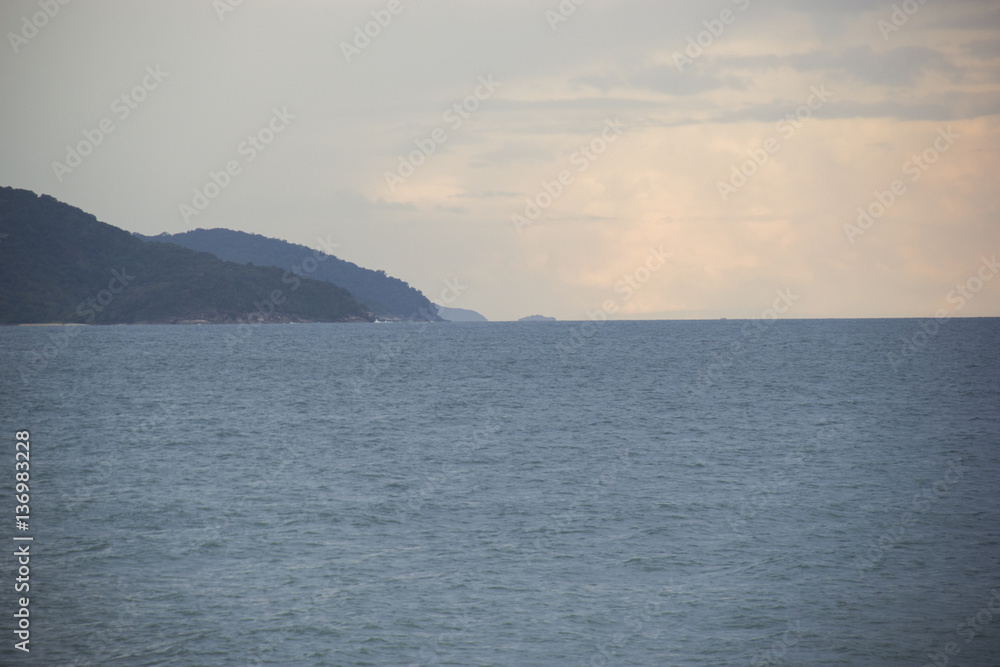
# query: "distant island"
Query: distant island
{"points": [[459, 314], [59, 264], [537, 318], [387, 297]]}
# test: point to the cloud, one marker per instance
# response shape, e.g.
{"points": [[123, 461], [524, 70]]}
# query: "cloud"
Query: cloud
{"points": [[983, 49], [902, 66], [657, 184], [665, 79]]}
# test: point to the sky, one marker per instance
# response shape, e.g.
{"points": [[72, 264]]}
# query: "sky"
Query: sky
{"points": [[619, 159]]}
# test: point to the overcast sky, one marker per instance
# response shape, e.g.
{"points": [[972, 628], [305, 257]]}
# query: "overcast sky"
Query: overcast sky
{"points": [[682, 196]]}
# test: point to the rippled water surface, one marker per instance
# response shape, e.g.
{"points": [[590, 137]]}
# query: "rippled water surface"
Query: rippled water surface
{"points": [[656, 493]]}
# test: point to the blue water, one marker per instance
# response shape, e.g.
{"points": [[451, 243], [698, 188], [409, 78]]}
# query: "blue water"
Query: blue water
{"points": [[628, 493]]}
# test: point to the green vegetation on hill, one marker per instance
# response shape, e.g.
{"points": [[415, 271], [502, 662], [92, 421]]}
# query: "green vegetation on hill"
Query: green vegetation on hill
{"points": [[384, 295], [60, 264]]}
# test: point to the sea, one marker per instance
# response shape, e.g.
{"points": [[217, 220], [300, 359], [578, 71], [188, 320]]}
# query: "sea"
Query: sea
{"points": [[739, 492]]}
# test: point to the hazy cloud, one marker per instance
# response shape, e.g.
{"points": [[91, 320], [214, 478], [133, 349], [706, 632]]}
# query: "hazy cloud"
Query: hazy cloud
{"points": [[499, 155]]}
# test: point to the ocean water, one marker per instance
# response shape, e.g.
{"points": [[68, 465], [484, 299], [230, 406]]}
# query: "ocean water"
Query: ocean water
{"points": [[624, 493]]}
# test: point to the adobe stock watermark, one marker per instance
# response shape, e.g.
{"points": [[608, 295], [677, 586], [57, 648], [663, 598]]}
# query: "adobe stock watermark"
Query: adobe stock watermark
{"points": [[914, 168], [88, 309], [626, 288], [223, 7], [898, 17], [249, 148], [381, 18], [265, 308], [122, 107], [969, 629], [963, 293], [562, 12], [787, 126], [38, 20], [582, 158], [454, 116], [714, 28]]}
